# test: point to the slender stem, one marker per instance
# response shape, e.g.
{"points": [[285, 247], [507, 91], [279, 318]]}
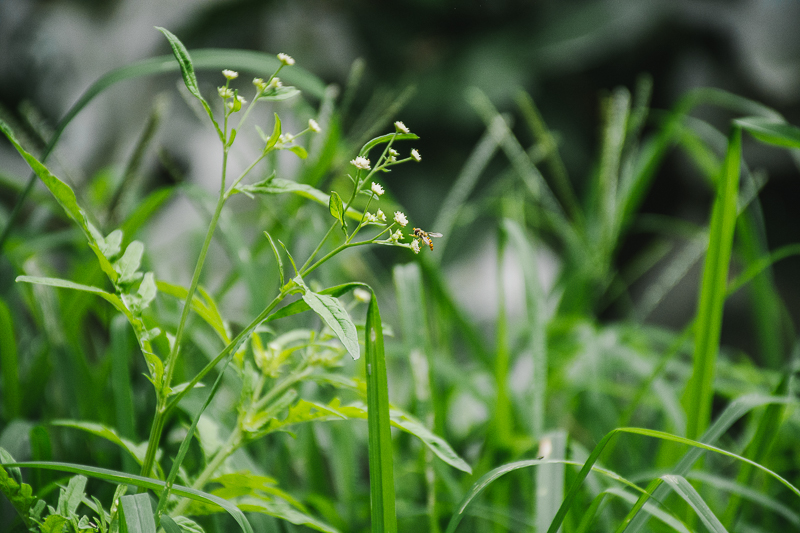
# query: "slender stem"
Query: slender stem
{"points": [[297, 375], [162, 389]]}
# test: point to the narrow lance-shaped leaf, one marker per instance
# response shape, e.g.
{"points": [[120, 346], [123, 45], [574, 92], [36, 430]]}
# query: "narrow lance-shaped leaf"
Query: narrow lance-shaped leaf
{"points": [[700, 390], [381, 475], [137, 515]]}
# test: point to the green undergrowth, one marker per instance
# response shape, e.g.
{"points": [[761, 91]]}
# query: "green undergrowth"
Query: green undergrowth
{"points": [[245, 377]]}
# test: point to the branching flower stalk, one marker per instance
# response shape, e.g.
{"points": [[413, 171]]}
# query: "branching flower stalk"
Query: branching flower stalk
{"points": [[232, 103]]}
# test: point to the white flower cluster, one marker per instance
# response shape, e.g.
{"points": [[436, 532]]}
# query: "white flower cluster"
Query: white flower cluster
{"points": [[361, 162]]}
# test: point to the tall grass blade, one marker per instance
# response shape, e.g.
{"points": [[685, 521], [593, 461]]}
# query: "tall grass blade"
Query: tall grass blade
{"points": [[9, 364], [700, 389], [381, 474]]}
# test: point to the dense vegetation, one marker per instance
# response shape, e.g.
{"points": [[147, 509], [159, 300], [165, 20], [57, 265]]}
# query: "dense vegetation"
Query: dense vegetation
{"points": [[209, 385]]}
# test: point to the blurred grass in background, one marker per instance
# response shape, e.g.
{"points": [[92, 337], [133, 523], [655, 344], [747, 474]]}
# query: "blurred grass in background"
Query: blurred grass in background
{"points": [[557, 306]]}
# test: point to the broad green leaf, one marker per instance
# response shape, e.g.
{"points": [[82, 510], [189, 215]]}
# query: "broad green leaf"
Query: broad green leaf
{"points": [[281, 186], [136, 514], [301, 306], [144, 482], [11, 486], [54, 524], [137, 451], [331, 310], [771, 131], [186, 524], [284, 511]]}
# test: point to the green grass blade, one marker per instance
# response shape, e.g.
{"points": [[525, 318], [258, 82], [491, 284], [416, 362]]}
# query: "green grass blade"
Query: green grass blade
{"points": [[733, 412], [700, 389], [119, 353], [381, 475], [9, 364], [771, 131], [685, 490], [142, 482], [136, 514], [616, 110]]}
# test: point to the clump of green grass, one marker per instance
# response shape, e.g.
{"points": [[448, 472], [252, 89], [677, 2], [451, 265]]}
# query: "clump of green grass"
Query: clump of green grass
{"points": [[628, 425]]}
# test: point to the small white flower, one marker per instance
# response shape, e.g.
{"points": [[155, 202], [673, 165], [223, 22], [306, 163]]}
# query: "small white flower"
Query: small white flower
{"points": [[392, 159], [260, 84], [381, 215], [415, 246], [286, 59], [393, 152], [416, 155], [286, 138], [396, 236], [369, 218], [241, 100], [400, 218], [225, 92], [360, 162], [312, 124], [401, 128], [230, 74], [377, 189], [362, 295], [275, 83]]}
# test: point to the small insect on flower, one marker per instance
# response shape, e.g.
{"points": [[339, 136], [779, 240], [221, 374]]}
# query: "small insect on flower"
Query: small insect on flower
{"points": [[425, 236]]}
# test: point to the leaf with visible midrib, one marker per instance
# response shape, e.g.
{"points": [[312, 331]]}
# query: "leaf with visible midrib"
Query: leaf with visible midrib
{"points": [[335, 316]]}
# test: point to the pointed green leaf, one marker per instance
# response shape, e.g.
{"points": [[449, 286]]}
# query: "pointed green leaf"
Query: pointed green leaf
{"points": [[336, 317], [336, 207], [136, 514], [299, 151], [185, 62], [276, 134], [281, 186]]}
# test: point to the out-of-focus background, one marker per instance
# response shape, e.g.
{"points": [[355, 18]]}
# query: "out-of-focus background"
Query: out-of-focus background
{"points": [[565, 54]]}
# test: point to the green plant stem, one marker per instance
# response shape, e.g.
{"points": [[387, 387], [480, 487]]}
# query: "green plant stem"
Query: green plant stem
{"points": [[162, 389], [296, 376]]}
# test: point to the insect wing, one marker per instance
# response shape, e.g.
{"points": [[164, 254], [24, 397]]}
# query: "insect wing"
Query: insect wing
{"points": [[434, 234]]}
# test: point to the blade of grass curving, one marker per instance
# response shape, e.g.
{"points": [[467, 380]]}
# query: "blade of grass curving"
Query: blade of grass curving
{"points": [[685, 490], [668, 519], [745, 492], [771, 131], [9, 364], [140, 481], [733, 412], [136, 514], [381, 475], [479, 486], [700, 389]]}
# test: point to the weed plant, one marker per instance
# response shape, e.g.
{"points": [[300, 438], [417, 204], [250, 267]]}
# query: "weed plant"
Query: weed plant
{"points": [[569, 422]]}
